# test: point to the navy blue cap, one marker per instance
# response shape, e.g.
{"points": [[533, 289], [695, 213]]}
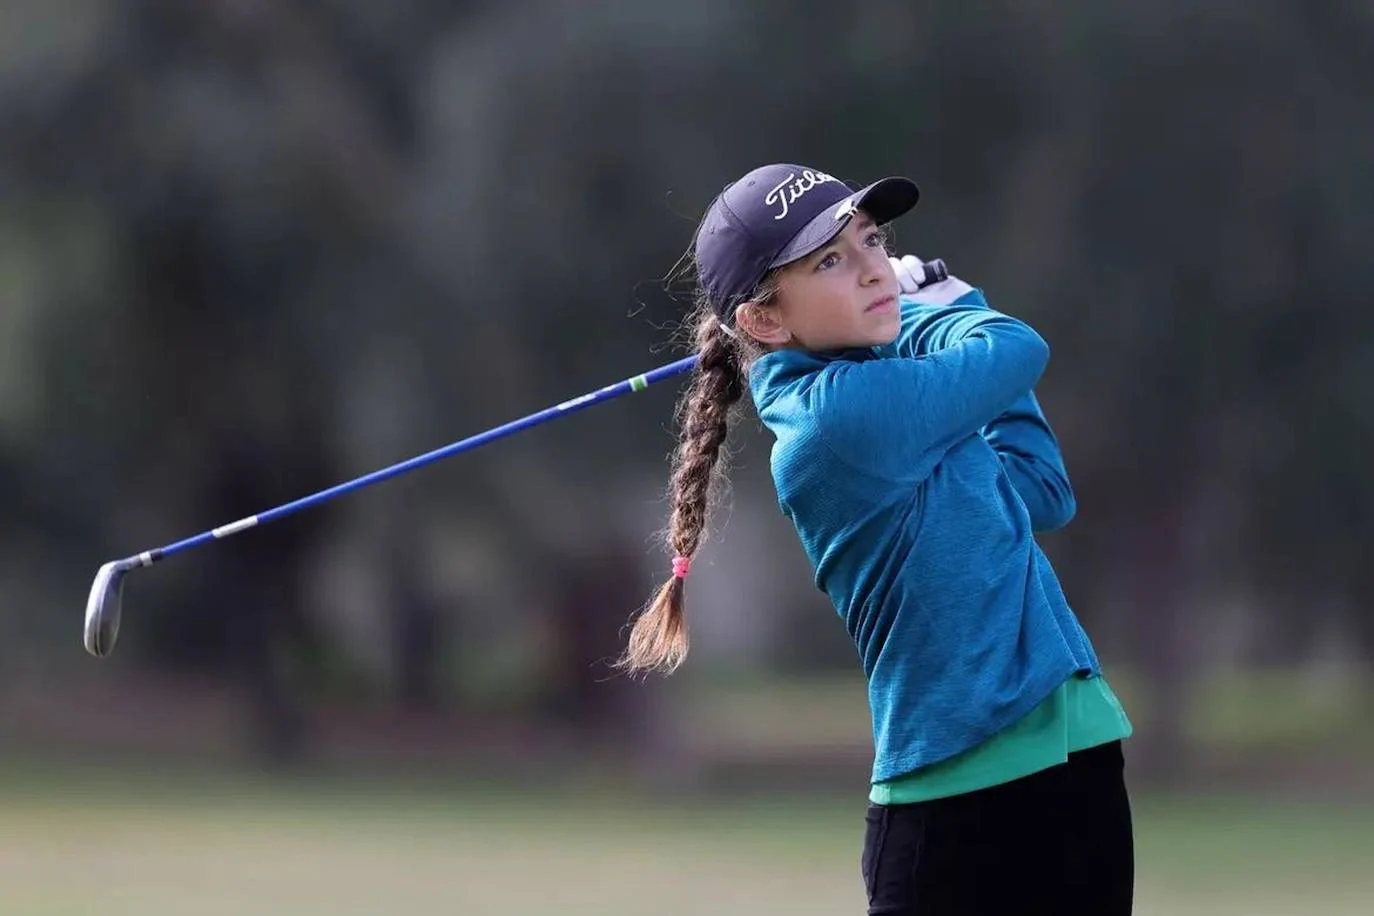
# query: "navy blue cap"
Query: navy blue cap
{"points": [[778, 214]]}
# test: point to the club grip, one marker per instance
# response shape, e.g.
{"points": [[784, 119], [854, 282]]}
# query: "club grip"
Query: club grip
{"points": [[935, 272]]}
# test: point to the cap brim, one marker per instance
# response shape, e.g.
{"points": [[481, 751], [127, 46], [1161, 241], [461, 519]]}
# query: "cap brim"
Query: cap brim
{"points": [[883, 201]]}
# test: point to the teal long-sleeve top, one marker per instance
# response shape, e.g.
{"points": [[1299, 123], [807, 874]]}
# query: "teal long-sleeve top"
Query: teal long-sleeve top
{"points": [[916, 475]]}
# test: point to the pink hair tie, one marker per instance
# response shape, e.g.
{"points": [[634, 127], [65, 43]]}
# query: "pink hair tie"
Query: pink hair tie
{"points": [[681, 566]]}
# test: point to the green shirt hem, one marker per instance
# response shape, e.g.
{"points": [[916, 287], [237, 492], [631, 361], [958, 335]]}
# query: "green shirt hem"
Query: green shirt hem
{"points": [[1080, 713]]}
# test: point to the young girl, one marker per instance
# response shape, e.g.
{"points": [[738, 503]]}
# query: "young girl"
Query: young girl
{"points": [[913, 459]]}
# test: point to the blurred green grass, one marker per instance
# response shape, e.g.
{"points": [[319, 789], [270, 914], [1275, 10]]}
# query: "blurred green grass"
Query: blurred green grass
{"points": [[77, 840], [1246, 712]]}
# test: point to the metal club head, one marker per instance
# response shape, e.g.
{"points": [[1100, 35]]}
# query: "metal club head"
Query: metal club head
{"points": [[103, 607]]}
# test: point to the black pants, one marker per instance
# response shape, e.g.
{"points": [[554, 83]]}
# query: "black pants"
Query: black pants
{"points": [[1055, 842]]}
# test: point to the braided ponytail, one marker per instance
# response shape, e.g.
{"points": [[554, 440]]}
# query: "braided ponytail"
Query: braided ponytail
{"points": [[658, 640]]}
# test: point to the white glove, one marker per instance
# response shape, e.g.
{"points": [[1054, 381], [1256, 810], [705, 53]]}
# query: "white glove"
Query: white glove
{"points": [[911, 274]]}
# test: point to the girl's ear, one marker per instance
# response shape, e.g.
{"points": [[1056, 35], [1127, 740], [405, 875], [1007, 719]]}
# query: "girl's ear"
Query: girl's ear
{"points": [[762, 322]]}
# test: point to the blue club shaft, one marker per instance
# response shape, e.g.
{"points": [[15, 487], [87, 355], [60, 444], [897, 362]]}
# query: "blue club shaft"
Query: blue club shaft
{"points": [[935, 271], [637, 383]]}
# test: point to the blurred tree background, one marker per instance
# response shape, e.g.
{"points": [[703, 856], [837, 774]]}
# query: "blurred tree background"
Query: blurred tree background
{"points": [[251, 249]]}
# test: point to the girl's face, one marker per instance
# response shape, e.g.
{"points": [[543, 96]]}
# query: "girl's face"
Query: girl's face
{"points": [[841, 296]]}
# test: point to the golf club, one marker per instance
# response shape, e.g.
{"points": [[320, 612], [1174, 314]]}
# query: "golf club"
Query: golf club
{"points": [[103, 605]]}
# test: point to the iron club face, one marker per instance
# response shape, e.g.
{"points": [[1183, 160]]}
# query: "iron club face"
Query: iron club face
{"points": [[103, 608]]}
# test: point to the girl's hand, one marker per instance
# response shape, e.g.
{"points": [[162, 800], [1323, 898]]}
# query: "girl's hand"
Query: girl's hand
{"points": [[910, 272], [911, 275]]}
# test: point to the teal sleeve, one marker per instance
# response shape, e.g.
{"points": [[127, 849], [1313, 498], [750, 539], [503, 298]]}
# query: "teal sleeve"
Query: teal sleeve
{"points": [[1031, 457], [898, 416], [1021, 436], [930, 327]]}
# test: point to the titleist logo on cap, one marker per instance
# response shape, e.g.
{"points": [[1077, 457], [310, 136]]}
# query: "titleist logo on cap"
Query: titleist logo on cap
{"points": [[791, 188]]}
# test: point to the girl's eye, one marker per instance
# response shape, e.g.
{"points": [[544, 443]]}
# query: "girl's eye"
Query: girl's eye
{"points": [[828, 261], [874, 240]]}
